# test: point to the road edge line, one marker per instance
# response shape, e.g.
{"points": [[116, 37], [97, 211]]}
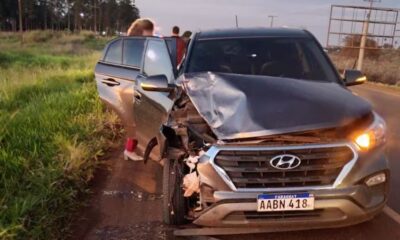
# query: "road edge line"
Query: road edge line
{"points": [[392, 214]]}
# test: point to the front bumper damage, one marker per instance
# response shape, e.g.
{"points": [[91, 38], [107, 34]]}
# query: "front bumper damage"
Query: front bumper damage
{"points": [[206, 121], [346, 202], [333, 208]]}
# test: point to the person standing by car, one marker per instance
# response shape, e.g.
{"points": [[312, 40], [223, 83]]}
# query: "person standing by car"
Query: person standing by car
{"points": [[180, 45], [141, 27], [186, 37]]}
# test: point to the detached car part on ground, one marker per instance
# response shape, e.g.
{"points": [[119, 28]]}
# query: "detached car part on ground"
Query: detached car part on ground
{"points": [[259, 131]]}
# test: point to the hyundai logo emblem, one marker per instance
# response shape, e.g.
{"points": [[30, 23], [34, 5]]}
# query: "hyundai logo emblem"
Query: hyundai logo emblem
{"points": [[285, 162]]}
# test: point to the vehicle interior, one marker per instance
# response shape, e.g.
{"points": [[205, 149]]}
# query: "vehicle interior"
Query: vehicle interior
{"points": [[277, 57]]}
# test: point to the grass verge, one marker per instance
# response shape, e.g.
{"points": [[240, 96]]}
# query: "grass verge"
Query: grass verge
{"points": [[53, 128], [385, 68]]}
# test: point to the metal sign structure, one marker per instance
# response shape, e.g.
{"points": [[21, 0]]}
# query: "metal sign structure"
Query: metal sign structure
{"points": [[351, 22]]}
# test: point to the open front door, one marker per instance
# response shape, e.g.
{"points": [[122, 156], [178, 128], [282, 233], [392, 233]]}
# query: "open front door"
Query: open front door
{"points": [[152, 107]]}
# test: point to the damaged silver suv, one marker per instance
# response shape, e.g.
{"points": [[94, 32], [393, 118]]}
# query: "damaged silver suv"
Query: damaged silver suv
{"points": [[256, 131]]}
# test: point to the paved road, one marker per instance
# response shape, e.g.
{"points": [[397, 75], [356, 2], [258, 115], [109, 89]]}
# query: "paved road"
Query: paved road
{"points": [[127, 199], [386, 102]]}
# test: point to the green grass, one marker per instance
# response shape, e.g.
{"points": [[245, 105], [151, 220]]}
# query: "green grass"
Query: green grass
{"points": [[53, 128], [26, 59]]}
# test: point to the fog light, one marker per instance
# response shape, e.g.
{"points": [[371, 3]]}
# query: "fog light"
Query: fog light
{"points": [[376, 179]]}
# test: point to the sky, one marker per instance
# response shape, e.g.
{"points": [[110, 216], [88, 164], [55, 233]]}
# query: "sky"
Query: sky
{"points": [[195, 15]]}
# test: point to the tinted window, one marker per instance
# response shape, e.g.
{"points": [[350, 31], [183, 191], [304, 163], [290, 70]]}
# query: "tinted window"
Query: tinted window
{"points": [[114, 52], [133, 52], [279, 57], [157, 60], [171, 44]]}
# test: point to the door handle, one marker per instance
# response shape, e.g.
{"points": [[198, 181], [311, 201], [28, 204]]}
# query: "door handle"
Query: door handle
{"points": [[110, 82], [138, 96]]}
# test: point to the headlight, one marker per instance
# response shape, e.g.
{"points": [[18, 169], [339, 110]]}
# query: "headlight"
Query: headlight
{"points": [[373, 136]]}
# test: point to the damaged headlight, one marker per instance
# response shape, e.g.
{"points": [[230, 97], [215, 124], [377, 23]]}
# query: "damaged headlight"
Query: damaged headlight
{"points": [[373, 136]]}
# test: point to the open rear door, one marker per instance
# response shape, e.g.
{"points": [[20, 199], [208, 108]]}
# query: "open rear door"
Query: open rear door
{"points": [[116, 74], [152, 108]]}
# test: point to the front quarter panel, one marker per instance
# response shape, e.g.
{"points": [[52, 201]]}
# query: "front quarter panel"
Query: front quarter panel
{"points": [[368, 163]]}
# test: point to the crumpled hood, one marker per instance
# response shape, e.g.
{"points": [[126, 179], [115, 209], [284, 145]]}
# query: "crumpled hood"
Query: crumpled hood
{"points": [[243, 106]]}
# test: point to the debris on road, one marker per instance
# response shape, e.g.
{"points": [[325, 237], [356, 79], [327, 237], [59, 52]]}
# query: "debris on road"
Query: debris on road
{"points": [[133, 194]]}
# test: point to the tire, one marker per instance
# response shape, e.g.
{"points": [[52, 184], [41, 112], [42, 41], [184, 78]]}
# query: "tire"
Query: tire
{"points": [[174, 203]]}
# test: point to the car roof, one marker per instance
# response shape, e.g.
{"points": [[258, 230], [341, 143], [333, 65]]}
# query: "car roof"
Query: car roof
{"points": [[251, 32]]}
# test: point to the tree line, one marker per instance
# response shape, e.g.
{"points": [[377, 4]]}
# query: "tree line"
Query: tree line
{"points": [[73, 15]]}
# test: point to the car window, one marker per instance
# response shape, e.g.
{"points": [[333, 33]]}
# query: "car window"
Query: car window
{"points": [[114, 52], [133, 52], [171, 44], [157, 60], [278, 57], [172, 48]]}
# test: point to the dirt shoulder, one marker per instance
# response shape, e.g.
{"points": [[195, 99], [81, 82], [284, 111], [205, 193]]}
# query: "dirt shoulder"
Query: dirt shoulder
{"points": [[125, 204]]}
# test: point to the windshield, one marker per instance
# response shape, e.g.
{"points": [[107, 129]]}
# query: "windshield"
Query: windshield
{"points": [[298, 58]]}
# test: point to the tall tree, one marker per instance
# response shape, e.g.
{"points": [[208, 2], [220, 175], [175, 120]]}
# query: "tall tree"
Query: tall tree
{"points": [[96, 15], [127, 13], [20, 15], [8, 15]]}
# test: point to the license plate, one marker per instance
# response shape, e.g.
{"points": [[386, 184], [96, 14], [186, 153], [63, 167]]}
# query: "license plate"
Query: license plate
{"points": [[285, 202]]}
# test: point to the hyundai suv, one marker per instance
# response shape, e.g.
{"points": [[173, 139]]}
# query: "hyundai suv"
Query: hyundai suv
{"points": [[255, 129]]}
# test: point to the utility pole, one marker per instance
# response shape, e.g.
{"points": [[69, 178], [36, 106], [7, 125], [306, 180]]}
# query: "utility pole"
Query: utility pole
{"points": [[20, 15], [364, 36], [69, 16], [237, 21], [45, 15], [21, 31], [272, 19], [95, 16]]}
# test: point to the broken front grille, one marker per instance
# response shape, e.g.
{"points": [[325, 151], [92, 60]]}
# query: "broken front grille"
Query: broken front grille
{"points": [[320, 166]]}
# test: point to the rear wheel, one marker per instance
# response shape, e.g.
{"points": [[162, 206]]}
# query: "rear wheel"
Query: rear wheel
{"points": [[174, 203]]}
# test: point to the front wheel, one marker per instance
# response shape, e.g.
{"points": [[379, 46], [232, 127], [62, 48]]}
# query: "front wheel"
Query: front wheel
{"points": [[174, 204]]}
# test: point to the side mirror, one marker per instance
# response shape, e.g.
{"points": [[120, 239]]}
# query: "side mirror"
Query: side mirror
{"points": [[157, 83], [354, 77]]}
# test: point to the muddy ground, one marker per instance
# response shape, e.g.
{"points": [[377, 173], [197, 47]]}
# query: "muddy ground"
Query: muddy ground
{"points": [[126, 202]]}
